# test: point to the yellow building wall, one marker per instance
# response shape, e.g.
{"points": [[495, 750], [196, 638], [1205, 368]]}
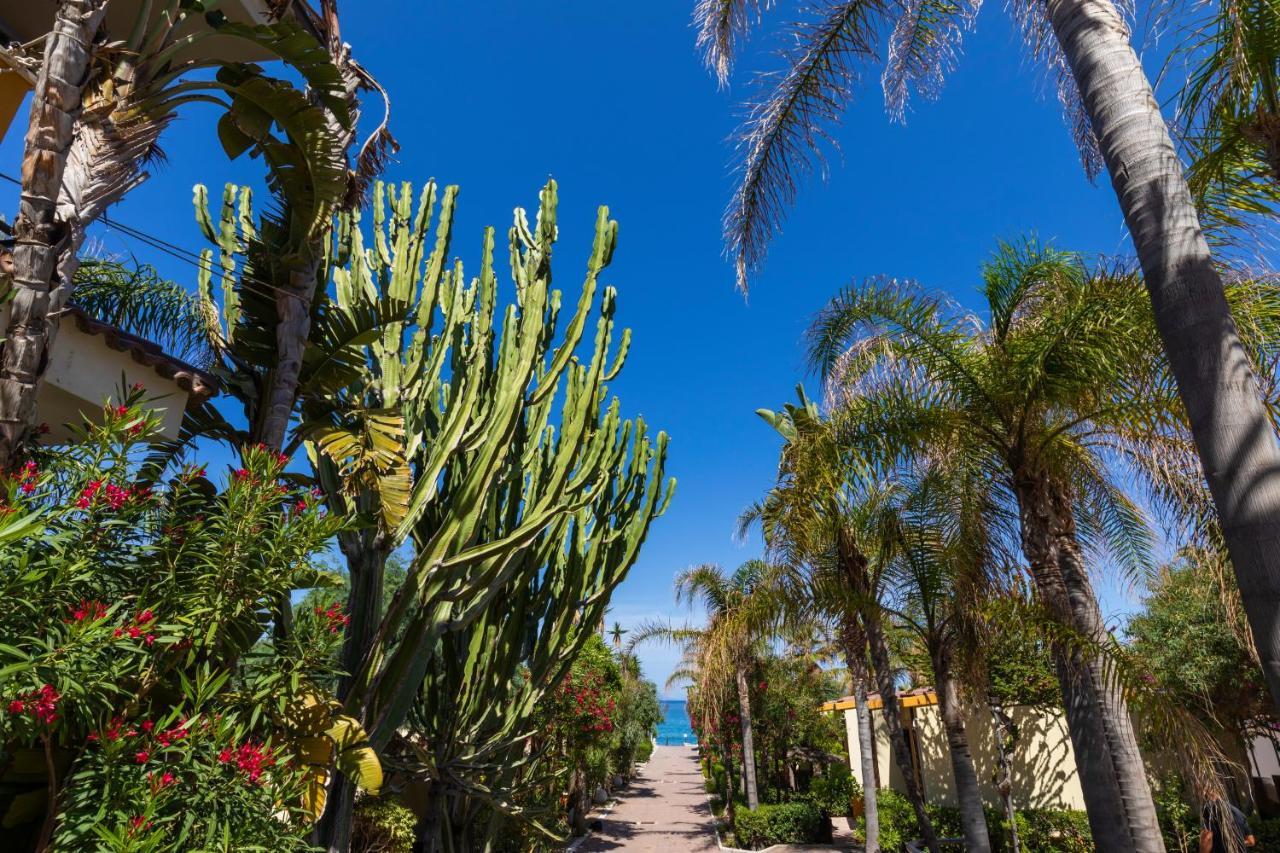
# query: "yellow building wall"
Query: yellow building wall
{"points": [[1044, 766], [13, 91]]}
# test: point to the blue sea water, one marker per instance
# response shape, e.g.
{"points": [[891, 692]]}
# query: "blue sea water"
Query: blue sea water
{"points": [[675, 728]]}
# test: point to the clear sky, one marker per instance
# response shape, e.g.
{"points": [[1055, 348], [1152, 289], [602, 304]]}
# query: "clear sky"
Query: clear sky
{"points": [[611, 100]]}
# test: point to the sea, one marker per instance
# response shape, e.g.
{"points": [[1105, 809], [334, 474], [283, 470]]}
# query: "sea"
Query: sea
{"points": [[675, 728]]}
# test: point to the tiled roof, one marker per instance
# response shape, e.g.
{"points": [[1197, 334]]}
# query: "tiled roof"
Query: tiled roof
{"points": [[196, 382]]}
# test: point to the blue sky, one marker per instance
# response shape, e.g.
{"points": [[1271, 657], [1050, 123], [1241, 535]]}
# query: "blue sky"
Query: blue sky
{"points": [[611, 100]]}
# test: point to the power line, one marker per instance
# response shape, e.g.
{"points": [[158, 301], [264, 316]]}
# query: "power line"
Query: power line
{"points": [[179, 252]]}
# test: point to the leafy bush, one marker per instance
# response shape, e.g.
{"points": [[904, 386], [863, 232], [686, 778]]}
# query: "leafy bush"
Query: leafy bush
{"points": [[1267, 832], [1040, 830], [382, 826], [834, 790], [796, 822], [135, 661], [1055, 830]]}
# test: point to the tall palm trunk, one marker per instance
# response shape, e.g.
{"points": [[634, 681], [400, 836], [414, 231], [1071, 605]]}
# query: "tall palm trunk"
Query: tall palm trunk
{"points": [[730, 807], [973, 820], [855, 567], [1233, 435], [883, 670], [39, 233], [855, 655], [748, 747], [1122, 815], [293, 308]]}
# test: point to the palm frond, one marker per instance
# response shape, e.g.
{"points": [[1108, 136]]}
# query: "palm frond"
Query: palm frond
{"points": [[923, 49], [721, 26], [1042, 45], [784, 129], [135, 298]]}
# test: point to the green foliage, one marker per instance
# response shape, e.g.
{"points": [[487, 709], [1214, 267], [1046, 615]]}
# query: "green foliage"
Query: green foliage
{"points": [[834, 790], [1179, 822], [134, 652], [135, 298], [1184, 640], [382, 825], [1019, 662], [1040, 830], [796, 822]]}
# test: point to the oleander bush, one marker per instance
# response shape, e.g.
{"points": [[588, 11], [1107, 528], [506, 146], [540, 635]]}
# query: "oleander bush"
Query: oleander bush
{"points": [[148, 700]]}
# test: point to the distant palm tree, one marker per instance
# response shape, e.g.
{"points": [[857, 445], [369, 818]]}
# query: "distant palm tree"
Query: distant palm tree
{"points": [[1116, 121], [617, 632], [942, 569], [827, 522], [1059, 403], [723, 651]]}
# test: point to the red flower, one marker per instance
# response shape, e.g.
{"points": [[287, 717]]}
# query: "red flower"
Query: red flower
{"points": [[16, 706], [240, 474], [225, 755], [142, 756], [149, 639], [147, 725], [90, 610]]}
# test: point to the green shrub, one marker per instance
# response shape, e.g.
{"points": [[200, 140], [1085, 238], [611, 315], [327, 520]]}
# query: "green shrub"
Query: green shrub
{"points": [[1039, 830], [644, 751], [382, 826], [1267, 832], [833, 791], [796, 822], [1054, 831]]}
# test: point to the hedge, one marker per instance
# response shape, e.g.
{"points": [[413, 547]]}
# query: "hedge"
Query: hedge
{"points": [[1041, 830], [796, 822]]}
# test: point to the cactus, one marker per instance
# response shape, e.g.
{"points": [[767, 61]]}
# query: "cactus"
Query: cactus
{"points": [[434, 419]]}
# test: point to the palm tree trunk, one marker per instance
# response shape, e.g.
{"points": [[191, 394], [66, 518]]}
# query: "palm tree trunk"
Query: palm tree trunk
{"points": [[1004, 735], [1233, 435], [883, 670], [855, 654], [973, 820], [39, 233], [748, 747], [1117, 797], [293, 306], [730, 807]]}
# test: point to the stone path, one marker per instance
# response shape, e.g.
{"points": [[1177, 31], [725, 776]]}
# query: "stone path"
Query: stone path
{"points": [[663, 810]]}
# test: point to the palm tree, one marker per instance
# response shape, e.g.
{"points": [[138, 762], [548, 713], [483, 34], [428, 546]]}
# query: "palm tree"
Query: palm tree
{"points": [[99, 110], [829, 523], [723, 651], [1116, 120], [617, 632], [1231, 106], [938, 577], [1046, 404]]}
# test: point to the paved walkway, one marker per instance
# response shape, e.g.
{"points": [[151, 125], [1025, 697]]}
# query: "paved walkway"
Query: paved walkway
{"points": [[663, 810]]}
